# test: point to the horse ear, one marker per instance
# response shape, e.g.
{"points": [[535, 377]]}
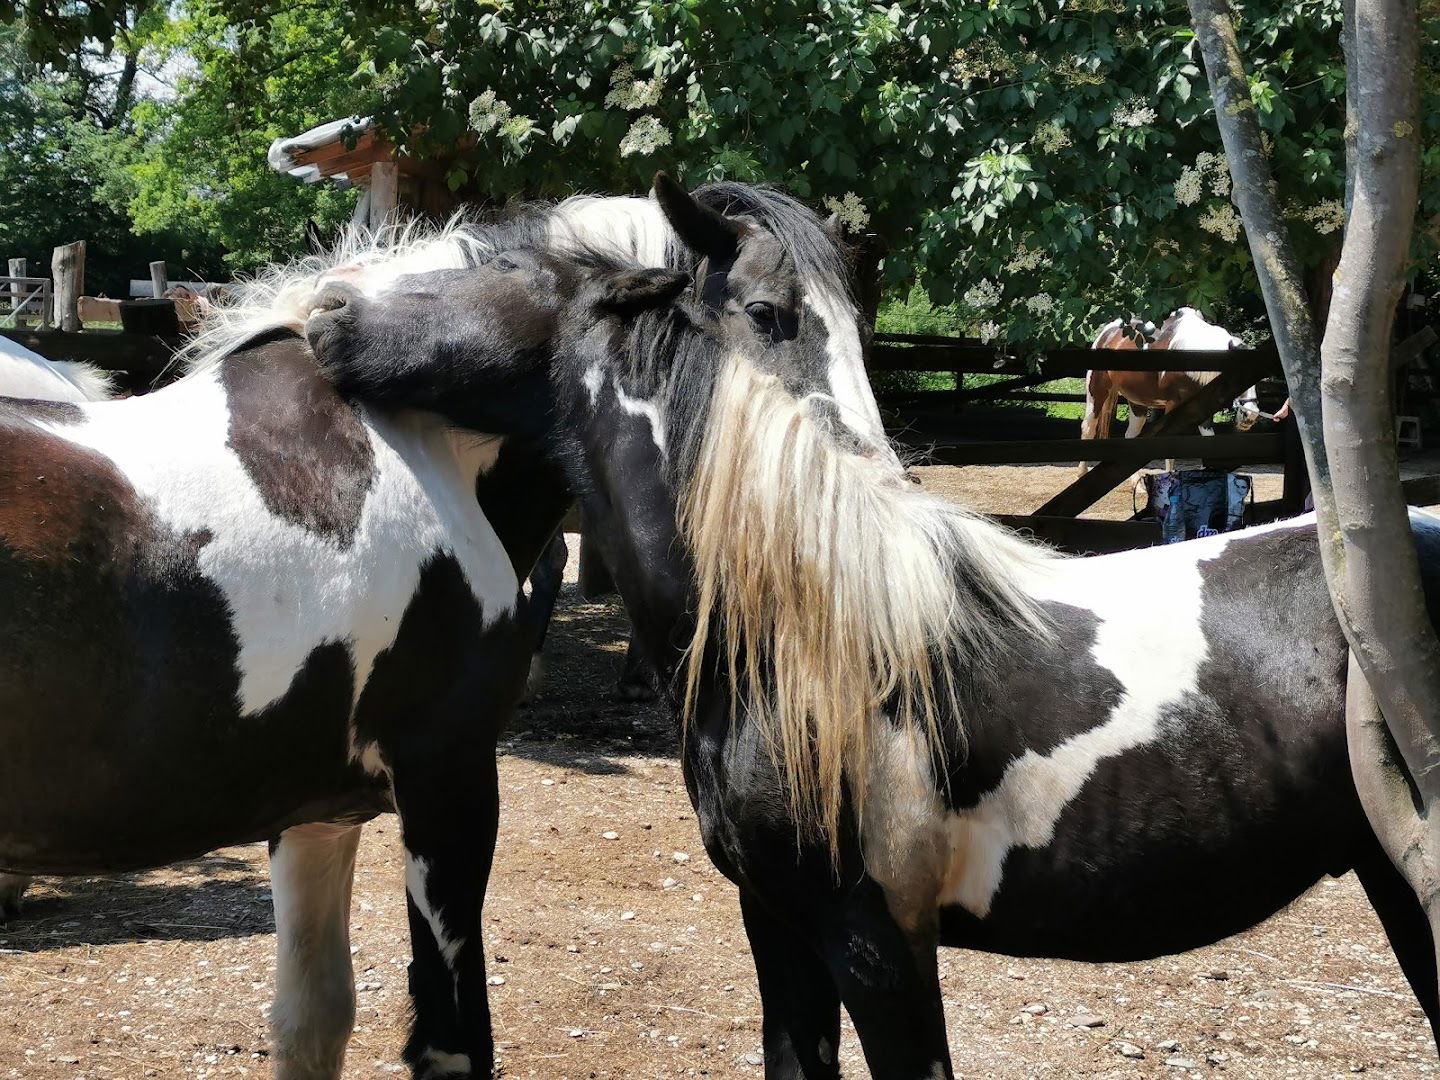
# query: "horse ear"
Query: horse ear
{"points": [[630, 292], [834, 229], [703, 230]]}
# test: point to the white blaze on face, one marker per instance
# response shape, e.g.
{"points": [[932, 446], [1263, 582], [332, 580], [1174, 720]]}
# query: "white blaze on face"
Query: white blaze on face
{"points": [[849, 382]]}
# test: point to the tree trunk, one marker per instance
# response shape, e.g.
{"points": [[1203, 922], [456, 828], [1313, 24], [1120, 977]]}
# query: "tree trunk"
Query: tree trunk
{"points": [[1345, 420]]}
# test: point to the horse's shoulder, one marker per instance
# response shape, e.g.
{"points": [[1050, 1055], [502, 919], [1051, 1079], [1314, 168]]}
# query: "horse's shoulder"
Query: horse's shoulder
{"points": [[306, 449]]}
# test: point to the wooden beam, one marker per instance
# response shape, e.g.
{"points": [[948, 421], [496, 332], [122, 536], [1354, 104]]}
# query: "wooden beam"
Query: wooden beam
{"points": [[159, 279], [67, 266], [324, 155], [1071, 362], [974, 359], [1199, 408], [140, 359], [1081, 536], [1126, 455]]}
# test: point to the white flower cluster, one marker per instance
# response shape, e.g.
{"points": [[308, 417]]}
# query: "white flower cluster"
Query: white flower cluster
{"points": [[1050, 136], [1133, 112], [517, 127], [1326, 217], [487, 112], [850, 210], [1041, 305], [989, 332], [1025, 259], [982, 295], [1223, 222], [645, 136], [1190, 186], [628, 92]]}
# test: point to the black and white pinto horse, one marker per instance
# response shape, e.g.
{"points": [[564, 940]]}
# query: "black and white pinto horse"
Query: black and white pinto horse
{"points": [[246, 607], [906, 726], [27, 374]]}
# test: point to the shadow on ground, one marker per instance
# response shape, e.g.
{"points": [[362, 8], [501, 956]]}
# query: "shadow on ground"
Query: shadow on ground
{"points": [[207, 899]]}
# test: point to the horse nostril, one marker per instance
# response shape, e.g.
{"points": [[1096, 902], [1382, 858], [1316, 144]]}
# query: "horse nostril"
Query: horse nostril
{"points": [[331, 298]]}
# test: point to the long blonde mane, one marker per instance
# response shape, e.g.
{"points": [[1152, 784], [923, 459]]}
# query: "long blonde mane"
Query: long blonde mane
{"points": [[841, 597]]}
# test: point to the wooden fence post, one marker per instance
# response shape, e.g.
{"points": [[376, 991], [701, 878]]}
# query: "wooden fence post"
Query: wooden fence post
{"points": [[159, 279], [68, 267], [18, 268], [384, 193]]}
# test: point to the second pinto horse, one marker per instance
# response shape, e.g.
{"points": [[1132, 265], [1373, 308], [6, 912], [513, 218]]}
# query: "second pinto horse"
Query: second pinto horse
{"points": [[1185, 329]]}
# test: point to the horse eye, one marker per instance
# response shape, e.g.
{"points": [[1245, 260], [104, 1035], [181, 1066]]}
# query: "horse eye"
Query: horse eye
{"points": [[504, 263], [761, 311]]}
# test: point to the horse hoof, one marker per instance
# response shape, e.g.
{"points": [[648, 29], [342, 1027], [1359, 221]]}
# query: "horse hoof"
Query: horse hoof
{"points": [[535, 681], [635, 690], [12, 895]]}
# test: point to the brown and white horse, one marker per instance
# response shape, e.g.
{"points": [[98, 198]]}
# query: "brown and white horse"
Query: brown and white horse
{"points": [[1144, 390]]}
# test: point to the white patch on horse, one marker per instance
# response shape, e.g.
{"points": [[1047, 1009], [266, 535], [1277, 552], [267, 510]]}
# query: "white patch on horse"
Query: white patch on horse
{"points": [[849, 382], [644, 408], [290, 590], [439, 1063], [417, 873], [594, 379]]}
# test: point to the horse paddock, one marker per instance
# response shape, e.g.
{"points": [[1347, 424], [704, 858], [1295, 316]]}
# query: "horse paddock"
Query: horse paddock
{"points": [[617, 951]]}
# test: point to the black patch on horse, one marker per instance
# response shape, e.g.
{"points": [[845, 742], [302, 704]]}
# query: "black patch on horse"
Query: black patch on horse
{"points": [[300, 442]]}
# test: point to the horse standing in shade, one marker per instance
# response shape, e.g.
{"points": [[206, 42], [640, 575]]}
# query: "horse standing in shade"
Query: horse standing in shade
{"points": [[905, 726], [1145, 390], [274, 612]]}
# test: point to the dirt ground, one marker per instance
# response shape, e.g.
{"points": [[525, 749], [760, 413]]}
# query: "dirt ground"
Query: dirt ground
{"points": [[617, 951]]}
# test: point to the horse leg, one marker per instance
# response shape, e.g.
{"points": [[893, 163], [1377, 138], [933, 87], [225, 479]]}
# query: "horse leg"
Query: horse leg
{"points": [[889, 981], [638, 679], [311, 871], [449, 803], [12, 893], [1095, 424], [1407, 928], [545, 582], [798, 999]]}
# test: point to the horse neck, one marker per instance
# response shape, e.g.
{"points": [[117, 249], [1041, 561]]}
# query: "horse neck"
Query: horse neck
{"points": [[524, 496]]}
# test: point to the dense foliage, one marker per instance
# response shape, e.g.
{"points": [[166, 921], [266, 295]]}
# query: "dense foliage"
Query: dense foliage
{"points": [[1040, 164], [1044, 162]]}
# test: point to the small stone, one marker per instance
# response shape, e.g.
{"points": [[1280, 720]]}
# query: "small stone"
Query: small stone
{"points": [[680, 857], [753, 1059], [576, 1033], [366, 987], [1168, 1045], [610, 835], [496, 980], [1036, 1010], [1181, 1063], [1219, 975], [547, 783], [669, 883], [1086, 1020], [1129, 1050], [627, 915]]}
